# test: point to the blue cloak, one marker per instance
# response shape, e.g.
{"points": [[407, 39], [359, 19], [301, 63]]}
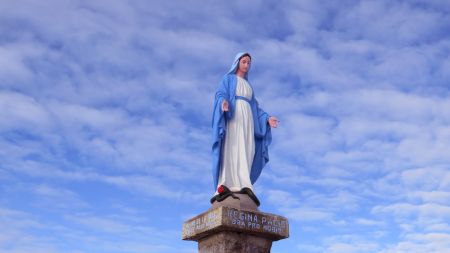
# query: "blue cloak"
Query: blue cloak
{"points": [[263, 136]]}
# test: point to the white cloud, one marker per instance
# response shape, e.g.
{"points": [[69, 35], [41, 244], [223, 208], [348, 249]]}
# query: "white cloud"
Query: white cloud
{"points": [[307, 214], [406, 210], [281, 198], [12, 65], [22, 112], [56, 197], [427, 242], [368, 222], [351, 247], [429, 178], [97, 233]]}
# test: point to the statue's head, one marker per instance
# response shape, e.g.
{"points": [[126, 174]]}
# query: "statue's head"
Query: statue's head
{"points": [[244, 63], [243, 58]]}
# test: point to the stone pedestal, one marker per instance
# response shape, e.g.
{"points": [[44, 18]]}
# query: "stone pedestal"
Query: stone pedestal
{"points": [[233, 229], [234, 242]]}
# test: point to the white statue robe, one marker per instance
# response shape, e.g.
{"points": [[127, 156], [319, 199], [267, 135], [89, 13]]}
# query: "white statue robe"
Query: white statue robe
{"points": [[239, 144]]}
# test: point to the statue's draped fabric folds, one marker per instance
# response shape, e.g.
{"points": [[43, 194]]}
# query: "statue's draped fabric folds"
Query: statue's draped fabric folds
{"points": [[241, 135]]}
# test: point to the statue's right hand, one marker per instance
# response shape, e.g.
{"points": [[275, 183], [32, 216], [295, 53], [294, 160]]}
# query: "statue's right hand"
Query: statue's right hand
{"points": [[225, 106]]}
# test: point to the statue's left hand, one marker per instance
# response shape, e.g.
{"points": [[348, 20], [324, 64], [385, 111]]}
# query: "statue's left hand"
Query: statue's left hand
{"points": [[273, 121]]}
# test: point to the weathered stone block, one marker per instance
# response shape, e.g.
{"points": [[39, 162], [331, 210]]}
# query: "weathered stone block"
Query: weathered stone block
{"points": [[228, 229], [227, 242]]}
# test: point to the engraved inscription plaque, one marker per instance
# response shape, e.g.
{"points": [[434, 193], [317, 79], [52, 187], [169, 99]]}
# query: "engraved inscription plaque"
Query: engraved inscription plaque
{"points": [[225, 218]]}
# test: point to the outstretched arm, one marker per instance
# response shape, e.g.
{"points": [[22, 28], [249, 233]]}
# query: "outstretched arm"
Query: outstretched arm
{"points": [[222, 95], [271, 120], [225, 105]]}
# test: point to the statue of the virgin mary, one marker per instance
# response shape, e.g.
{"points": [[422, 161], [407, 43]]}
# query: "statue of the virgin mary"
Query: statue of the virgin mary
{"points": [[241, 133]]}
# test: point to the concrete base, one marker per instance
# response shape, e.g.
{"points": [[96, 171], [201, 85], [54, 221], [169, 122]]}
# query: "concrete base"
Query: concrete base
{"points": [[226, 242], [227, 229]]}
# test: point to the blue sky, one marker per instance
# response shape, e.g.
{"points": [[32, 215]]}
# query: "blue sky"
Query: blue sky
{"points": [[105, 111]]}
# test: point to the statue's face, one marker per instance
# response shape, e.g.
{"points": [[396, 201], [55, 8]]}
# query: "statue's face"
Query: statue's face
{"points": [[244, 64]]}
